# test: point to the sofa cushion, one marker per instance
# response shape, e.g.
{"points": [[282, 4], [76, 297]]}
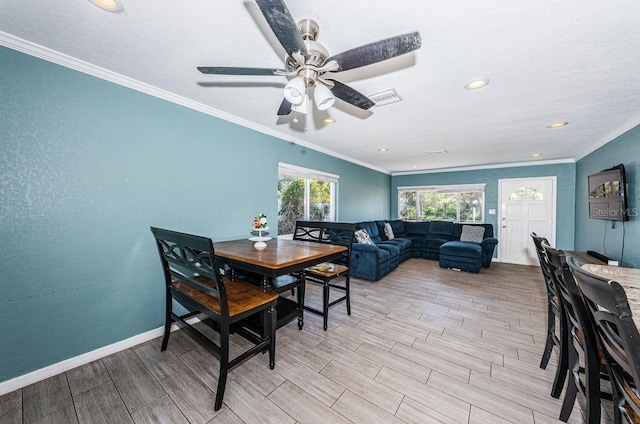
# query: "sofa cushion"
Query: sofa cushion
{"points": [[432, 243], [462, 255], [363, 237], [372, 229], [416, 228], [441, 230], [462, 249], [472, 233], [401, 243]]}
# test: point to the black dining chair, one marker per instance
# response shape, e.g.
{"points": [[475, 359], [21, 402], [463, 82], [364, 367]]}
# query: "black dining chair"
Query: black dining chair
{"points": [[608, 307], [326, 273], [556, 321], [193, 279], [584, 358]]}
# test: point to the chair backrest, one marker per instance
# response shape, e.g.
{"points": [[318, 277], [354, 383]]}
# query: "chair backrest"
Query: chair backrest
{"points": [[572, 301], [187, 258], [617, 333], [542, 258], [338, 233]]}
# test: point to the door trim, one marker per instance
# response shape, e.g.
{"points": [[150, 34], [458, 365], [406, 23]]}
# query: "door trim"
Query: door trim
{"points": [[554, 202]]}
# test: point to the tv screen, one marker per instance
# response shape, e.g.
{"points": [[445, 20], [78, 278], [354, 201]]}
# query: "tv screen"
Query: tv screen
{"points": [[607, 195]]}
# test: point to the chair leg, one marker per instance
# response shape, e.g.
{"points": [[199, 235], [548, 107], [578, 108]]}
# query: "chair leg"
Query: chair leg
{"points": [[551, 326], [224, 365], [325, 304], [168, 320], [572, 389], [348, 294], [301, 292], [592, 387], [272, 323], [563, 359]]}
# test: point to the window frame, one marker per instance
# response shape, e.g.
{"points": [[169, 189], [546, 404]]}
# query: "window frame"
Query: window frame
{"points": [[293, 171], [458, 189]]}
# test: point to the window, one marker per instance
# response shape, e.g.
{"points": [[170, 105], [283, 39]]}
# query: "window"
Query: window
{"points": [[460, 203], [532, 194], [304, 194]]}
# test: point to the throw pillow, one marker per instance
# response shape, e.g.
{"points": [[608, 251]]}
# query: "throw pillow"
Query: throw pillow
{"points": [[472, 233], [388, 231], [363, 237]]}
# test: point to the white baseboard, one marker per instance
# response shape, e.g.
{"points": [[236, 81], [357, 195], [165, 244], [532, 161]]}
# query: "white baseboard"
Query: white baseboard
{"points": [[68, 364]]}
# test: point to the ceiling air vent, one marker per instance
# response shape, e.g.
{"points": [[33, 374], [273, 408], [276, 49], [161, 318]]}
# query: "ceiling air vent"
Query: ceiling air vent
{"points": [[385, 97]]}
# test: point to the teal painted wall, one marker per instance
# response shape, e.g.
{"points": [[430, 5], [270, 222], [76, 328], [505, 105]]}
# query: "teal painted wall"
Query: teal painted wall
{"points": [[86, 167], [596, 234], [565, 174]]}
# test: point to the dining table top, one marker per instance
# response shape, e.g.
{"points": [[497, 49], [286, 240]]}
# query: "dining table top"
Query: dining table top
{"points": [[628, 278], [279, 254]]}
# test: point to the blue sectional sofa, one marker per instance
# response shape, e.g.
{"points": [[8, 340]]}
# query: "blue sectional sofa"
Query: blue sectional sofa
{"points": [[438, 240]]}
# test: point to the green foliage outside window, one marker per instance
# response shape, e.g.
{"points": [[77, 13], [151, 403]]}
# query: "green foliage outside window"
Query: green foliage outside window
{"points": [[431, 205], [291, 197]]}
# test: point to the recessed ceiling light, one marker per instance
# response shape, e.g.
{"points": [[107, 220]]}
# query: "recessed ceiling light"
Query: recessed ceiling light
{"points": [[383, 149], [111, 5], [414, 166], [476, 83], [557, 125], [536, 155], [328, 121]]}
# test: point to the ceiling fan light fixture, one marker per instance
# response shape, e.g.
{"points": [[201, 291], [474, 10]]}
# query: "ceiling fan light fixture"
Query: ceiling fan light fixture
{"points": [[303, 106], [295, 90], [323, 97]]}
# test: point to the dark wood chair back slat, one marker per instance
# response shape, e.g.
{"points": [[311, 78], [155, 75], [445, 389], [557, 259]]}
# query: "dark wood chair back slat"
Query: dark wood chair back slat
{"points": [[618, 335], [185, 256], [337, 233]]}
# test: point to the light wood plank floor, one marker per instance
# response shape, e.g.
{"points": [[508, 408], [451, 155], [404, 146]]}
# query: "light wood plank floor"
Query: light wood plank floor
{"points": [[423, 345]]}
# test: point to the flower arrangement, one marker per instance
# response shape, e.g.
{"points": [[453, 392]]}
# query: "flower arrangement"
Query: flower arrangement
{"points": [[260, 222]]}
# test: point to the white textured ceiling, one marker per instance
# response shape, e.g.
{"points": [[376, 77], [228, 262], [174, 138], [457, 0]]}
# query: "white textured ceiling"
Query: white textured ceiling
{"points": [[548, 61]]}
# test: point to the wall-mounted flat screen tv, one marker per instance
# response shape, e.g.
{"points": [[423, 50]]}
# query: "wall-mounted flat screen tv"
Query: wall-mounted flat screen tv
{"points": [[608, 195]]}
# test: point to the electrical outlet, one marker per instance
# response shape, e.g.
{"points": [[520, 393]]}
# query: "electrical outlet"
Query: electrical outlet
{"points": [[492, 211]]}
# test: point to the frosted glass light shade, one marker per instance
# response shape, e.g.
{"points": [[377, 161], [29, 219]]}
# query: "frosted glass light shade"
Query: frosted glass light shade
{"points": [[303, 106], [323, 97], [294, 91]]}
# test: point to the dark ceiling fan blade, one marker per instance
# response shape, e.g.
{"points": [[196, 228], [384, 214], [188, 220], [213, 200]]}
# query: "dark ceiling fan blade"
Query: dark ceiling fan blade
{"points": [[350, 95], [285, 107], [377, 51], [228, 70], [283, 26]]}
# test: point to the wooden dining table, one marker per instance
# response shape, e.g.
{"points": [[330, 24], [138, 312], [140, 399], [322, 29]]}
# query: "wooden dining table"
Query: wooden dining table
{"points": [[280, 257]]}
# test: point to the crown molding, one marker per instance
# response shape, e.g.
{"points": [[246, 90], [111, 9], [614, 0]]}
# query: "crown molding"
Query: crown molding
{"points": [[492, 166], [71, 62], [632, 123]]}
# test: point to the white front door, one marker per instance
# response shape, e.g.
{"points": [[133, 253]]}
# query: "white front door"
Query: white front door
{"points": [[526, 206]]}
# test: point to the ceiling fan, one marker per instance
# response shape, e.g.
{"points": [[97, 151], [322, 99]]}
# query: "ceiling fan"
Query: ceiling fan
{"points": [[308, 61]]}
